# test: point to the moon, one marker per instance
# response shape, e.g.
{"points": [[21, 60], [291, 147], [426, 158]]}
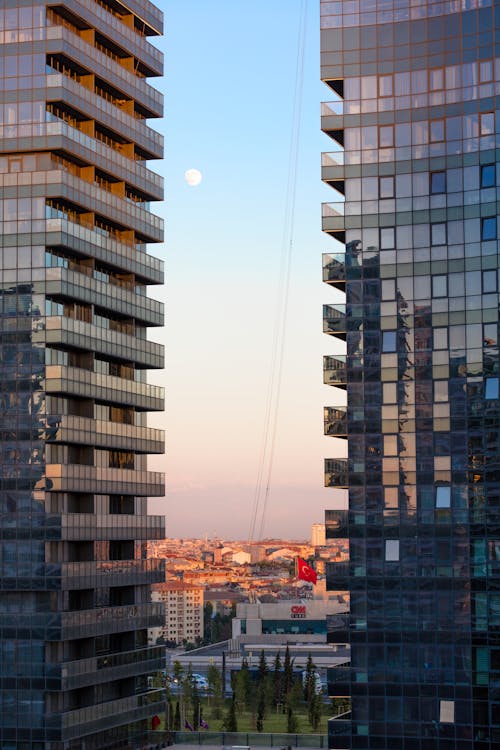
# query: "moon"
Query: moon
{"points": [[193, 177]]}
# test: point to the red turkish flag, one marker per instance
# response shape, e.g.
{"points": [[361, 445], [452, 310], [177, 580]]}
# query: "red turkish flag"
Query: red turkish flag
{"points": [[305, 572], [155, 722]]}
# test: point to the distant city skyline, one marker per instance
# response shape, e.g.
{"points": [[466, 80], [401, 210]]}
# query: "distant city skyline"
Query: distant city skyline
{"points": [[229, 115]]}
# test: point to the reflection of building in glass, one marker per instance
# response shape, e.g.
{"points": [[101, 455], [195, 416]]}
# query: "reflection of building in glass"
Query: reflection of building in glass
{"points": [[413, 168], [75, 602]]}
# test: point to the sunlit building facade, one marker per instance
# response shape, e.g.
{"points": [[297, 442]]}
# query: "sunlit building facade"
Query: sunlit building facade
{"points": [[75, 602], [414, 122]]}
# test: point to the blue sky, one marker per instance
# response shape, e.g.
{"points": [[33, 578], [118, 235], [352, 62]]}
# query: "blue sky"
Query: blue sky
{"points": [[229, 85]]}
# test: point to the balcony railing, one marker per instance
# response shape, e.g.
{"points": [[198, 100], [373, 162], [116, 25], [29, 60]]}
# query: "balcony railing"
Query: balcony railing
{"points": [[334, 320], [335, 421], [335, 370], [336, 472], [334, 269]]}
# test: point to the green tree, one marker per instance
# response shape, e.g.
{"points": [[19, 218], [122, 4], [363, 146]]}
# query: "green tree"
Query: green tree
{"points": [[178, 671], [277, 681], [261, 709], [314, 711], [230, 723], [287, 673], [263, 669], [310, 680], [169, 718], [214, 679], [177, 717], [196, 705], [292, 725], [243, 687]]}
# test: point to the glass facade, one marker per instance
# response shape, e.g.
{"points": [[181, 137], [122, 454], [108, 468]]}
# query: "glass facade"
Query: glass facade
{"points": [[75, 194], [414, 124]]}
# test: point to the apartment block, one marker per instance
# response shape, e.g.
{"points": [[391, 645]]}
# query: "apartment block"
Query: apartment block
{"points": [[75, 193], [413, 240]]}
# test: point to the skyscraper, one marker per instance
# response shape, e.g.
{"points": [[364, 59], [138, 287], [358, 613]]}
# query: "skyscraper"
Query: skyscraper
{"points": [[414, 119], [75, 603]]}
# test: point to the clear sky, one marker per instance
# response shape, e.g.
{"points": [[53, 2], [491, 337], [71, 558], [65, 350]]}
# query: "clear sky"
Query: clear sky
{"points": [[229, 85]]}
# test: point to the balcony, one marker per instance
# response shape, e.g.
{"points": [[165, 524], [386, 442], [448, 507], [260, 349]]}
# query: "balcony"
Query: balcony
{"points": [[84, 384], [89, 196], [61, 40], [62, 88], [336, 472], [339, 733], [110, 250], [59, 135], [97, 480], [334, 270], [77, 334], [333, 219], [73, 430], [335, 371], [79, 527], [332, 168], [70, 284], [335, 421], [85, 623], [125, 36], [338, 679], [332, 120], [336, 524], [337, 576], [334, 321], [99, 669], [115, 713]]}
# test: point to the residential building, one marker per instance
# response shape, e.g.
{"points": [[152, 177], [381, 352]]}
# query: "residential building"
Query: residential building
{"points": [[183, 620], [75, 602], [413, 120], [318, 535]]}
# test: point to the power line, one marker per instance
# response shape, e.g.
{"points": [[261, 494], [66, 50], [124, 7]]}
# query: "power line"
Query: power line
{"points": [[266, 458]]}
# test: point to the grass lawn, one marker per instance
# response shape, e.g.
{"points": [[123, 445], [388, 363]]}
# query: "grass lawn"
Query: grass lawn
{"points": [[273, 721]]}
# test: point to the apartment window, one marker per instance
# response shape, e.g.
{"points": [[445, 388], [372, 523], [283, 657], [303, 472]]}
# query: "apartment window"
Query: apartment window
{"points": [[437, 130], [489, 228], [443, 497], [438, 234], [392, 550], [387, 238], [438, 182], [488, 175], [491, 389], [386, 136], [389, 341], [487, 123], [440, 336], [439, 286], [447, 712], [386, 187], [489, 281]]}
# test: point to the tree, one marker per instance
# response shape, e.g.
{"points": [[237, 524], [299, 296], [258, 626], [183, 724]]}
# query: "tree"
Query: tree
{"points": [[214, 679], [243, 686], [315, 706], [230, 723], [177, 717], [178, 671], [263, 670], [196, 705], [169, 719], [310, 680], [261, 709], [287, 673], [277, 681], [292, 725]]}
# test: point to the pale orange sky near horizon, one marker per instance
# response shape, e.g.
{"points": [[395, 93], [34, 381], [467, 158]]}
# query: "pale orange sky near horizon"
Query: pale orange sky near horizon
{"points": [[232, 121]]}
